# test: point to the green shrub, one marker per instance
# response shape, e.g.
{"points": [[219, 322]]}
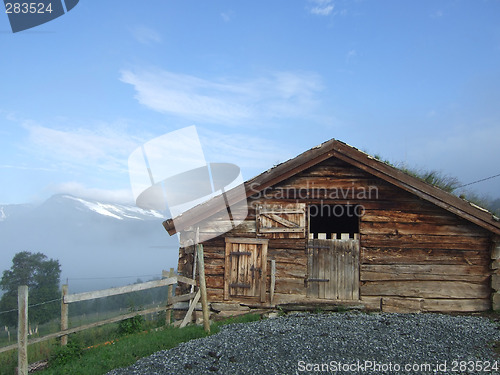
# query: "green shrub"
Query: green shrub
{"points": [[131, 325], [66, 354]]}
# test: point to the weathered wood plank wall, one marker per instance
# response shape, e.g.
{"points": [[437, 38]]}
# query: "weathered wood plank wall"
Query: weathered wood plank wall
{"points": [[411, 250]]}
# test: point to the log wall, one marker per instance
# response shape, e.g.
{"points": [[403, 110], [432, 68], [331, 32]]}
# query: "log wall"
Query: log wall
{"points": [[413, 254]]}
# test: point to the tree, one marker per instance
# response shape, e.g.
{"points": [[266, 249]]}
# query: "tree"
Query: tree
{"points": [[42, 276]]}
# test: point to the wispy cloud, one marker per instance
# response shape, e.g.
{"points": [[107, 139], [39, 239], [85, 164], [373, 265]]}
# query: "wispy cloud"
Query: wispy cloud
{"points": [[26, 168], [227, 16], [145, 35], [226, 100], [321, 7], [437, 14], [252, 153], [350, 55], [103, 148]]}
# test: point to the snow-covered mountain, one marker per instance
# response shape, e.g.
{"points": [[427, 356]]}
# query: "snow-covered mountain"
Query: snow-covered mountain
{"points": [[96, 243], [117, 211]]}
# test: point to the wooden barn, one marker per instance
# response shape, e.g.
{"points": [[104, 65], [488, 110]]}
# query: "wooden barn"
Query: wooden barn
{"points": [[336, 226]]}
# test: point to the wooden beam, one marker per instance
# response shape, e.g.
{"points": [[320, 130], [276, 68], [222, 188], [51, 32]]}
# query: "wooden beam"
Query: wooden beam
{"points": [[273, 280], [126, 289], [168, 311], [203, 288], [64, 315], [280, 220], [255, 241], [189, 313], [22, 330]]}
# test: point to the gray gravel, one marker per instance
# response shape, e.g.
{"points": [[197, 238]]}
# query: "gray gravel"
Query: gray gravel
{"points": [[305, 343]]}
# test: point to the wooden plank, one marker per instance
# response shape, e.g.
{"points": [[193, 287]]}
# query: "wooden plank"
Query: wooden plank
{"points": [[280, 220], [264, 272], [203, 288], [456, 305], [438, 272], [315, 273], [291, 286], [356, 277], [425, 289], [126, 289], [339, 247], [64, 314], [321, 268], [440, 217], [227, 270], [349, 272], [273, 280], [291, 270], [255, 263], [242, 271], [189, 313], [242, 240], [426, 241], [22, 330], [372, 228], [328, 275], [281, 230], [423, 256], [401, 305]]}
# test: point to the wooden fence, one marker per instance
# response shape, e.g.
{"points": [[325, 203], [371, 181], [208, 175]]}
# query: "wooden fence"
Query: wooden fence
{"points": [[169, 279]]}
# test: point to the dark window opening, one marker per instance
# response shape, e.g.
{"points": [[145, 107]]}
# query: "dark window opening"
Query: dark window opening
{"points": [[330, 221]]}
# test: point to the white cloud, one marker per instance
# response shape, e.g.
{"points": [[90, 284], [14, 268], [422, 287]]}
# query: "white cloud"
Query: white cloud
{"points": [[322, 7], [145, 35], [77, 189], [437, 14], [251, 153], [104, 148], [227, 16], [350, 55], [226, 100]]}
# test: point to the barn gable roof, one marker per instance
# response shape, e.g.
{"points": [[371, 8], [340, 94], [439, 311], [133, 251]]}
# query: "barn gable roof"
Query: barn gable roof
{"points": [[357, 158]]}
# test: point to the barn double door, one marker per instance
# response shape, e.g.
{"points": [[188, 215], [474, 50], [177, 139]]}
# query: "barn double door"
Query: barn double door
{"points": [[333, 269]]}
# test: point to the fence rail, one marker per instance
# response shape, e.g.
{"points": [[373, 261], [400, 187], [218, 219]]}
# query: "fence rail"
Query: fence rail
{"points": [[169, 280], [70, 298]]}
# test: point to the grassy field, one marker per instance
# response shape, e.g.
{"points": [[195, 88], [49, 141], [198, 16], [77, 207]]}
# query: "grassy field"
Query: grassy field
{"points": [[102, 349]]}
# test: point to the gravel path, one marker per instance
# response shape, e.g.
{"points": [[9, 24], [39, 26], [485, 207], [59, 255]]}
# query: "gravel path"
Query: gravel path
{"points": [[338, 343]]}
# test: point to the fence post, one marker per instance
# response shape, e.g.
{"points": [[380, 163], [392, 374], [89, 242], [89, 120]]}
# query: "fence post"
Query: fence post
{"points": [[22, 330], [203, 288], [64, 315], [169, 295]]}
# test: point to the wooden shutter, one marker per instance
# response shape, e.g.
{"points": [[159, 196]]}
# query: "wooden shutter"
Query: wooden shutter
{"points": [[282, 221], [245, 268]]}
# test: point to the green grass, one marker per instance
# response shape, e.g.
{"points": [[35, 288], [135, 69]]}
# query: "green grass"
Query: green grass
{"points": [[125, 350]]}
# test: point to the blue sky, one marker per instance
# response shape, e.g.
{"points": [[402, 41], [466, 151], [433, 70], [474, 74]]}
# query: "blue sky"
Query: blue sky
{"points": [[416, 82]]}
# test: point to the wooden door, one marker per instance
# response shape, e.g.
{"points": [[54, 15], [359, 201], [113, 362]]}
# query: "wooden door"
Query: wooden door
{"points": [[245, 268], [333, 269]]}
